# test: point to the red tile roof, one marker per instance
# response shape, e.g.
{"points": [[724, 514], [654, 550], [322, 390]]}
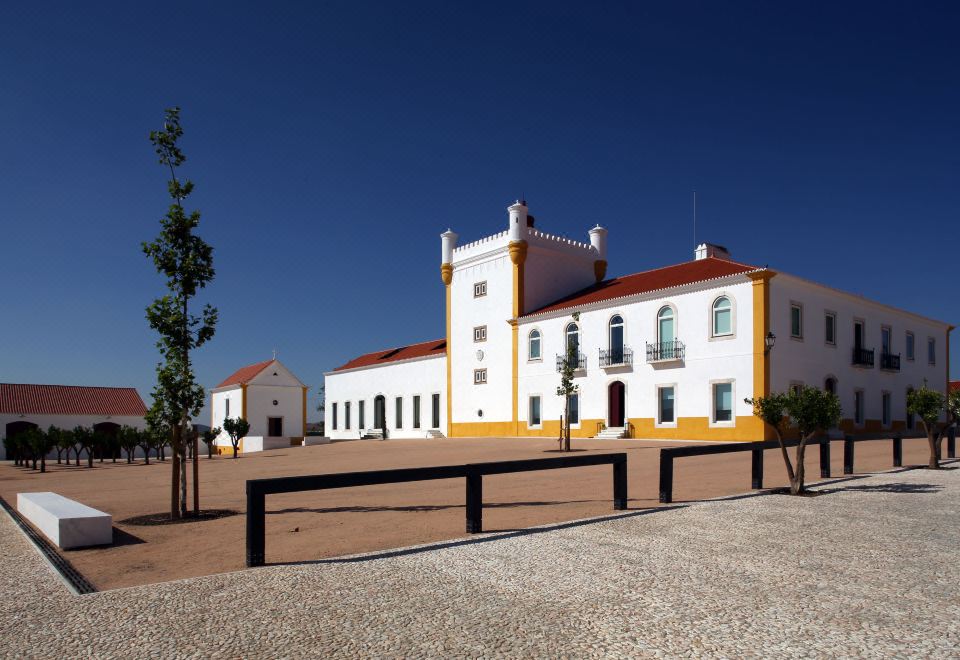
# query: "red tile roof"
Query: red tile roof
{"points": [[954, 385], [650, 280], [423, 349], [245, 374], [70, 400]]}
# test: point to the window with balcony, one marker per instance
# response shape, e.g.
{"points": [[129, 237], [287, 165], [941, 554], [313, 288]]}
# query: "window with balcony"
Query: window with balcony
{"points": [[888, 359], [572, 345], [533, 345], [722, 317], [616, 354], [862, 356], [667, 347]]}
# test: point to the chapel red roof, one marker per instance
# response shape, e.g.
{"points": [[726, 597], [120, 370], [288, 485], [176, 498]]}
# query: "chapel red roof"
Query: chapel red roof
{"points": [[650, 280], [70, 400], [954, 385], [423, 349], [245, 374]]}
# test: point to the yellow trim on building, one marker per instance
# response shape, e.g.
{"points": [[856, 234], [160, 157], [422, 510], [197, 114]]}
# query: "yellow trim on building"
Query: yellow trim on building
{"points": [[518, 256], [449, 361], [243, 401], [600, 269], [761, 326]]}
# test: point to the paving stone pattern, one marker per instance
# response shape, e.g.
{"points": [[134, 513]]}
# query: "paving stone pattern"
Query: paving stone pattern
{"points": [[868, 570]]}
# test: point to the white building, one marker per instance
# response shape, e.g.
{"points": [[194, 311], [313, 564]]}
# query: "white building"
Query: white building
{"points": [[103, 409], [666, 353], [270, 397]]}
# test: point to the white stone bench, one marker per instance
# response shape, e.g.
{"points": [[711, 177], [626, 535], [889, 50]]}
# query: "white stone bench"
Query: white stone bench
{"points": [[67, 523]]}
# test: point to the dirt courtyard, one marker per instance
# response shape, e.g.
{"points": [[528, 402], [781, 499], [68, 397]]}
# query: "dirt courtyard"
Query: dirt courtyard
{"points": [[314, 525]]}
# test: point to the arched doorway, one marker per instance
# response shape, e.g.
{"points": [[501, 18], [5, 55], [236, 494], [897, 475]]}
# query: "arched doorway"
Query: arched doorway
{"points": [[14, 429], [616, 404], [110, 448], [380, 413], [830, 385]]}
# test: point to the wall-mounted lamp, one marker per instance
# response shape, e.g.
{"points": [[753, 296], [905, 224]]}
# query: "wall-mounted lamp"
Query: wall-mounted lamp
{"points": [[769, 341]]}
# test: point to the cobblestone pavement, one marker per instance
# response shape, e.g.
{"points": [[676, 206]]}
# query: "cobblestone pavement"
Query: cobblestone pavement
{"points": [[868, 570]]}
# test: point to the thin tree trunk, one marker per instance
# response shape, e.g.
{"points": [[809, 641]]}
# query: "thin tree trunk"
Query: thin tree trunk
{"points": [[175, 475], [59, 451], [43, 462], [209, 450], [196, 478], [786, 457], [796, 486], [934, 463], [565, 445]]}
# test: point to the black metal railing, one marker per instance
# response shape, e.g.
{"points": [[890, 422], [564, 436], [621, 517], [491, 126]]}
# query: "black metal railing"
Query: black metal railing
{"points": [[666, 350], [616, 357], [863, 357], [890, 362], [258, 489], [579, 362]]}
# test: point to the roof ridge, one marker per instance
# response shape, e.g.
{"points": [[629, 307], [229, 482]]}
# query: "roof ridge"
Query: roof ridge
{"points": [[98, 387]]}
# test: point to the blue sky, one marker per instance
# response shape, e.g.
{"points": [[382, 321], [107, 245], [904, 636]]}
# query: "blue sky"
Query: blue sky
{"points": [[331, 145]]}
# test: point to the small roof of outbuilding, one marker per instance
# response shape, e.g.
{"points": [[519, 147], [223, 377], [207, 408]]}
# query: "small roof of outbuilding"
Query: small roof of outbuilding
{"points": [[423, 349], [70, 400], [689, 272]]}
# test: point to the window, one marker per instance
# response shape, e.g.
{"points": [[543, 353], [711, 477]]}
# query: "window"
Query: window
{"points": [[616, 340], [885, 340], [830, 328], [722, 317], [665, 325], [435, 405], [361, 415], [931, 350], [416, 411], [796, 387], [399, 412], [346, 415], [665, 403], [275, 427], [479, 289], [479, 376], [574, 408], [858, 407], [480, 333], [796, 321], [334, 417], [227, 414], [886, 409], [910, 346], [533, 345], [535, 411], [573, 338], [830, 385], [723, 402]]}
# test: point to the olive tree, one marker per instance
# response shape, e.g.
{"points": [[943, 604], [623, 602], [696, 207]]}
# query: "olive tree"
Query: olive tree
{"points": [[237, 428], [84, 440], [209, 436], [811, 410], [928, 404]]}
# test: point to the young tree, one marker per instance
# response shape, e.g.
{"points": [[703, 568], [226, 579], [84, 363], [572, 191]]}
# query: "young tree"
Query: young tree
{"points": [[186, 261], [11, 445], [84, 439], [40, 443], [146, 443], [567, 387], [65, 443], [237, 428], [927, 404], [209, 437], [129, 439], [32, 440], [811, 410], [54, 434]]}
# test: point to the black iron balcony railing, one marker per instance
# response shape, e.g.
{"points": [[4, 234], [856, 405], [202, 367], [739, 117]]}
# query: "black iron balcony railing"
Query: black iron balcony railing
{"points": [[580, 362], [890, 362], [863, 357], [666, 351], [616, 357]]}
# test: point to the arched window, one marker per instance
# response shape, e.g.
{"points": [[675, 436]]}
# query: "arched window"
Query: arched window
{"points": [[573, 338], [533, 345], [830, 385], [722, 317], [665, 325], [616, 340]]}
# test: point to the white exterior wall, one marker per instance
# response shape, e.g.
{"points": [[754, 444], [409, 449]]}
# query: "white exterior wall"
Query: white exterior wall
{"points": [[707, 358], [555, 267], [67, 422], [218, 408], [289, 407], [487, 261], [420, 376], [811, 360]]}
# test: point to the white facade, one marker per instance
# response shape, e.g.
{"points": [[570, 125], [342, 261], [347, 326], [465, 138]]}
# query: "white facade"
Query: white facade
{"points": [[503, 287], [66, 422], [272, 400], [355, 393]]}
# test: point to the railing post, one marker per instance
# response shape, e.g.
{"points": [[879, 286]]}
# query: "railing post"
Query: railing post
{"points": [[897, 451], [474, 501], [620, 485], [825, 458], [756, 469], [666, 477], [848, 454], [256, 526], [952, 442]]}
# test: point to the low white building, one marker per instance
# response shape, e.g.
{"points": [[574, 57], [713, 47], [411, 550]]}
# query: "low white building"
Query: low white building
{"points": [[272, 400], [104, 409], [668, 353]]}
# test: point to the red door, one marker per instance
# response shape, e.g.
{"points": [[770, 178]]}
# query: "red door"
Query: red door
{"points": [[615, 403]]}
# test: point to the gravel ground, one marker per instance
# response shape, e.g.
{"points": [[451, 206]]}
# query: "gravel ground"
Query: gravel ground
{"points": [[867, 570]]}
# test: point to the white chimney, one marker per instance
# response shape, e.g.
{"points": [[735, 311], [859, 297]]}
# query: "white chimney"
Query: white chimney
{"points": [[448, 241], [518, 221], [598, 239], [705, 250]]}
